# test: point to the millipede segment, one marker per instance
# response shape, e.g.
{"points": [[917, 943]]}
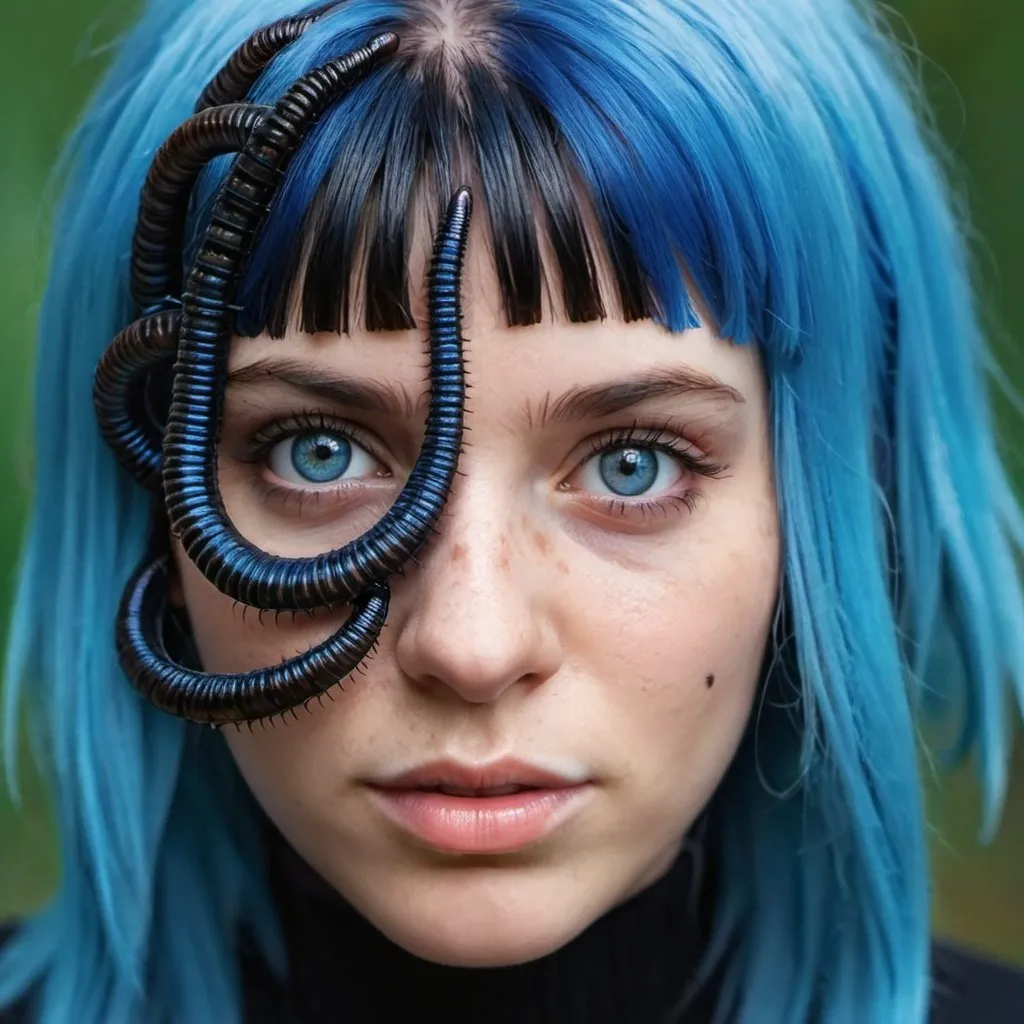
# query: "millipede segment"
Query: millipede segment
{"points": [[119, 387]]}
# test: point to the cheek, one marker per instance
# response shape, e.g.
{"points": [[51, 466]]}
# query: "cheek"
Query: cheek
{"points": [[676, 653], [295, 761], [231, 637]]}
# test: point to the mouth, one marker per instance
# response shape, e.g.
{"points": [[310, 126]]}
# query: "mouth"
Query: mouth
{"points": [[496, 778], [498, 807], [485, 791], [488, 820]]}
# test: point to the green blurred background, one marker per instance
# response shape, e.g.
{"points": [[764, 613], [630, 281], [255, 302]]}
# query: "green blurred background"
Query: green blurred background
{"points": [[970, 55]]}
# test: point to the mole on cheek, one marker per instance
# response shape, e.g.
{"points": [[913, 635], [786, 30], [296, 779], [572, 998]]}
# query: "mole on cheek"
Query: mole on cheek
{"points": [[709, 681], [458, 552]]}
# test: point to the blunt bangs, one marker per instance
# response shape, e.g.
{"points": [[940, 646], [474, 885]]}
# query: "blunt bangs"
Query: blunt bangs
{"points": [[577, 148]]}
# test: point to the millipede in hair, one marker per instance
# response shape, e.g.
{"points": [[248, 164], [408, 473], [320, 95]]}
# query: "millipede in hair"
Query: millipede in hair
{"points": [[155, 267], [156, 246], [118, 388], [248, 62], [157, 241]]}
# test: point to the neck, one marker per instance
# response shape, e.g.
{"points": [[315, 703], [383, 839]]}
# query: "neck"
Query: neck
{"points": [[637, 962]]}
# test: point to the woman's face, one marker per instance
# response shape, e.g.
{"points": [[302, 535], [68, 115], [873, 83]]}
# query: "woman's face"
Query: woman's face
{"points": [[596, 601]]}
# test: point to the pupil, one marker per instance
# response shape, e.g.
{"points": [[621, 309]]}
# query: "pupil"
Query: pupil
{"points": [[321, 458], [629, 471]]}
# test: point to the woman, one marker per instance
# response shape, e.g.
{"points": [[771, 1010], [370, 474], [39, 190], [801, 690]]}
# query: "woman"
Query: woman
{"points": [[612, 615]]}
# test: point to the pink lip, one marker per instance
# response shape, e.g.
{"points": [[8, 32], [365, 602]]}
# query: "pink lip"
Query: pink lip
{"points": [[503, 772], [487, 824], [478, 822]]}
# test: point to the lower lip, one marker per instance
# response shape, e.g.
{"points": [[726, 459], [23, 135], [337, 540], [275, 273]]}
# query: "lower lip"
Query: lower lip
{"points": [[490, 824]]}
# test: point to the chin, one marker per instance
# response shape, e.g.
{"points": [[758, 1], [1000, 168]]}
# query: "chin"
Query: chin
{"points": [[495, 932], [446, 943]]}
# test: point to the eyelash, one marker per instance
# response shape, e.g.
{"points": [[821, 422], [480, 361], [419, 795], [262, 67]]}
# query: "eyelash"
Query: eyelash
{"points": [[656, 437], [263, 441]]}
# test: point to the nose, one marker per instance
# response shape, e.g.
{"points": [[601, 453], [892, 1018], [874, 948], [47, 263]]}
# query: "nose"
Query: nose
{"points": [[479, 618]]}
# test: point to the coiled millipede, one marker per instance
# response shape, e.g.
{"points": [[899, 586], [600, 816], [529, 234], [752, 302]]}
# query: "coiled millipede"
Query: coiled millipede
{"points": [[179, 458]]}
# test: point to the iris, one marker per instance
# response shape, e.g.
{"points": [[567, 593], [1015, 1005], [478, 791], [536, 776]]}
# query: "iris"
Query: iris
{"points": [[321, 457], [629, 471]]}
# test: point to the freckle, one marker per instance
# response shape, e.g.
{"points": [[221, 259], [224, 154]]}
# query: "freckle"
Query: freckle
{"points": [[709, 681], [458, 552], [503, 560], [541, 542]]}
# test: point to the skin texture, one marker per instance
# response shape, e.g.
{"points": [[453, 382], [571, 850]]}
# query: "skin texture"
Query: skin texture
{"points": [[542, 622]]}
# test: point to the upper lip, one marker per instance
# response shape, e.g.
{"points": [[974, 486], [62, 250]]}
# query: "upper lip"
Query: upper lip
{"points": [[508, 771]]}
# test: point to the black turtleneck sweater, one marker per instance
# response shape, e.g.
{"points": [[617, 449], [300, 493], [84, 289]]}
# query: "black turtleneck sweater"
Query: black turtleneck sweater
{"points": [[629, 967]]}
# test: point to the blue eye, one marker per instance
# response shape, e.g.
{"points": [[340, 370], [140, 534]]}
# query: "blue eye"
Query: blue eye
{"points": [[319, 457], [630, 470]]}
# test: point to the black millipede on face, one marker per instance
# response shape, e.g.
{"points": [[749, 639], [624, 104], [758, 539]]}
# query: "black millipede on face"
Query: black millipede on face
{"points": [[180, 458], [194, 506], [219, 699]]}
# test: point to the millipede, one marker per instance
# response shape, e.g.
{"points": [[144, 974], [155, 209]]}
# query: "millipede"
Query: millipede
{"points": [[184, 326]]}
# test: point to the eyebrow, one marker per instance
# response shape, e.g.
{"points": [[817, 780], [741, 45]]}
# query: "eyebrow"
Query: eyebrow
{"points": [[582, 402], [596, 401], [351, 392]]}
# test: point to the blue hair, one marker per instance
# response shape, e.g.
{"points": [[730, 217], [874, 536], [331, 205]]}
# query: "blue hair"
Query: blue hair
{"points": [[773, 151]]}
